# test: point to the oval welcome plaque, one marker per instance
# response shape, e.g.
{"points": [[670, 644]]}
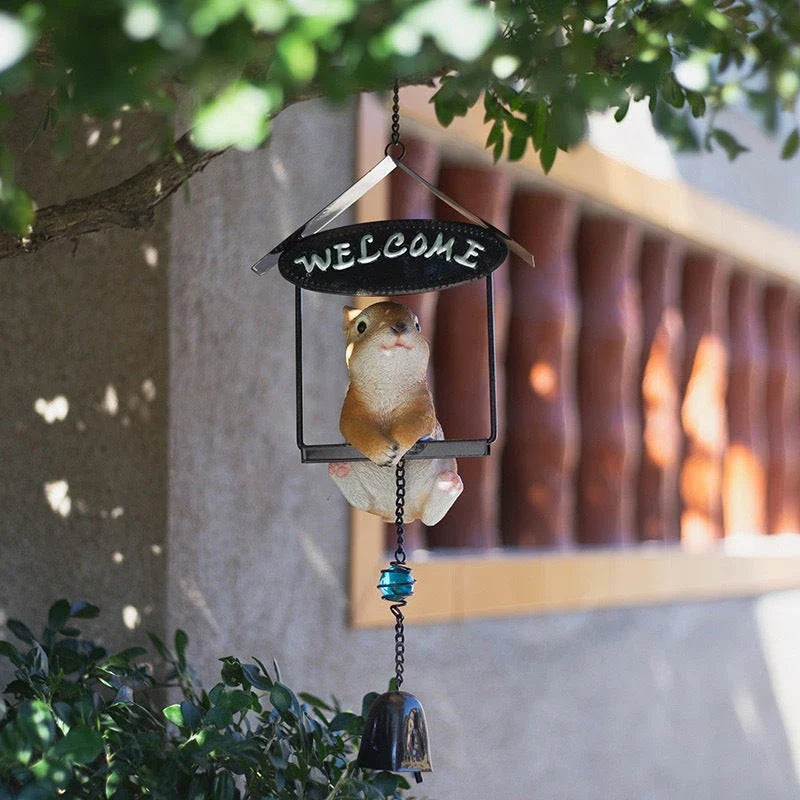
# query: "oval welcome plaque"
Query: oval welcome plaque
{"points": [[392, 257]]}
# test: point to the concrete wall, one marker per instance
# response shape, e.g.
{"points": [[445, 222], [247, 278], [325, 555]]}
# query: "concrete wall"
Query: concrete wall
{"points": [[83, 334], [688, 701]]}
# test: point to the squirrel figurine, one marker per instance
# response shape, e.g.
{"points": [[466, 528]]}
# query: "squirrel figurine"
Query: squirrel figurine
{"points": [[387, 409]]}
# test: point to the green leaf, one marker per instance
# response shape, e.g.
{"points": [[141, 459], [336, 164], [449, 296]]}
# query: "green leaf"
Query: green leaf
{"points": [[81, 745], [791, 145], [21, 631], [697, 103], [84, 610], [672, 92], [231, 673], [622, 111], [181, 640], [547, 156], [224, 787], [239, 115], [10, 652], [129, 653], [36, 724], [495, 134], [190, 713], [51, 771], [258, 678], [58, 614], [313, 701], [113, 782], [728, 142], [348, 722], [516, 147], [366, 703], [159, 646], [538, 119], [281, 698], [298, 56], [174, 714], [498, 147]]}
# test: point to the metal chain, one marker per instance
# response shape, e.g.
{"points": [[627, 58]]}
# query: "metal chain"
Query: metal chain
{"points": [[399, 558], [399, 510], [399, 642], [395, 145]]}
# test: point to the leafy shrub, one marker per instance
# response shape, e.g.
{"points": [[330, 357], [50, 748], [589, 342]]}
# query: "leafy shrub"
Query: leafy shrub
{"points": [[77, 722]]}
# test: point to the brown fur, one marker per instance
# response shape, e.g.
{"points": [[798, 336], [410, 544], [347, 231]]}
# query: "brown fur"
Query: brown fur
{"points": [[388, 406]]}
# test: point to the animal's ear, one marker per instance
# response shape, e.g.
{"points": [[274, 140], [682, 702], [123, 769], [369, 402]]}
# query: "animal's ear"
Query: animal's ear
{"points": [[348, 315]]}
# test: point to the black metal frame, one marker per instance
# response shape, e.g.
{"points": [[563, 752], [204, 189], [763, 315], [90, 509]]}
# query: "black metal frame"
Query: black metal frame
{"points": [[446, 448]]}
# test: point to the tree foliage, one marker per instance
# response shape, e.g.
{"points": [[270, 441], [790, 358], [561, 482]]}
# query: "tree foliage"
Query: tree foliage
{"points": [[539, 66], [78, 722]]}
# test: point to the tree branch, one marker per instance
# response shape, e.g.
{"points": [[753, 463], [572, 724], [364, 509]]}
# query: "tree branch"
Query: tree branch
{"points": [[130, 204]]}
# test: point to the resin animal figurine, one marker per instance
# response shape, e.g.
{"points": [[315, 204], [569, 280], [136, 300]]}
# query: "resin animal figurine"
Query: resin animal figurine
{"points": [[388, 408]]}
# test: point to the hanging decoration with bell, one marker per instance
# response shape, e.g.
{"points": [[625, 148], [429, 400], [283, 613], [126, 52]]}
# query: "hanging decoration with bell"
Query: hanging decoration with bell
{"points": [[382, 259], [395, 735]]}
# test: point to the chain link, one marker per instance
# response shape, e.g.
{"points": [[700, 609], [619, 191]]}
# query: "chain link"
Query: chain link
{"points": [[399, 510], [397, 148], [399, 558], [399, 643]]}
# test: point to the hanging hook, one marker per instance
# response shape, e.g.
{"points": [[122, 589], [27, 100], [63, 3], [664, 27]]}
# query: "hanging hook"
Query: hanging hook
{"points": [[395, 144]]}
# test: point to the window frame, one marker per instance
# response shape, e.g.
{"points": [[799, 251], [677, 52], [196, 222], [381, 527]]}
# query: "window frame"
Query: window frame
{"points": [[455, 585]]}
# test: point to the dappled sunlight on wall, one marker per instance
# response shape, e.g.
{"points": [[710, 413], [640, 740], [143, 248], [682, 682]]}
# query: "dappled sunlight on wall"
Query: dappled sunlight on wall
{"points": [[778, 618], [83, 351]]}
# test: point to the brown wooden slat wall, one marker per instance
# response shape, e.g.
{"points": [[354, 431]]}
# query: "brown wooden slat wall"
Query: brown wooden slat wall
{"points": [[646, 392], [540, 455]]}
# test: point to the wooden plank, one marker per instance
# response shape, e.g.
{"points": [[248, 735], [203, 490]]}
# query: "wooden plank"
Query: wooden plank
{"points": [[455, 588]]}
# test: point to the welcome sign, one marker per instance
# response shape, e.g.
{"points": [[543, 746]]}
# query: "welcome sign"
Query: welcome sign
{"points": [[392, 257]]}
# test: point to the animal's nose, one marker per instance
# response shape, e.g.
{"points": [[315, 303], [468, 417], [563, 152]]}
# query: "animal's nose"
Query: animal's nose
{"points": [[399, 327]]}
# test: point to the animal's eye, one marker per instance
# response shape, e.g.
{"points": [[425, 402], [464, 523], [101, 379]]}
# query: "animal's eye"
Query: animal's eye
{"points": [[417, 325], [361, 327]]}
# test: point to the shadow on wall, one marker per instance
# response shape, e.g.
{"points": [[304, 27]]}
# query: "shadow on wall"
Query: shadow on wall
{"points": [[83, 413]]}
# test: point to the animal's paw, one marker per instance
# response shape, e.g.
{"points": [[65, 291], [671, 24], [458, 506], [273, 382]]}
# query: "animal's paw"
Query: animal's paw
{"points": [[389, 456], [338, 469], [449, 482]]}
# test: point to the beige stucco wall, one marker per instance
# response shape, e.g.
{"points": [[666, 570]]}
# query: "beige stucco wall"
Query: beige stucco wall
{"points": [[688, 701]]}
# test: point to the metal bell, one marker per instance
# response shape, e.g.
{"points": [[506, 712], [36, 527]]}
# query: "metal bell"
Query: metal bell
{"points": [[395, 736]]}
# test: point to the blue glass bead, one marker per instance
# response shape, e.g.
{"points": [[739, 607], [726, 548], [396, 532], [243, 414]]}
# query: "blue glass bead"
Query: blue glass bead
{"points": [[396, 583]]}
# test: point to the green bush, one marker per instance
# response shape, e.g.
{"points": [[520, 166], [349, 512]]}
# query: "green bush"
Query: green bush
{"points": [[78, 722]]}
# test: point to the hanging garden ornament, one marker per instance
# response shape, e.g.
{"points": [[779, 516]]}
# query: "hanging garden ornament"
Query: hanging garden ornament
{"points": [[388, 418]]}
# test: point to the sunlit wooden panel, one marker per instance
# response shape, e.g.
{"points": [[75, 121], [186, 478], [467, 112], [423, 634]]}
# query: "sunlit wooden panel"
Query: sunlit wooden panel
{"points": [[703, 411], [661, 363], [783, 409], [745, 468]]}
